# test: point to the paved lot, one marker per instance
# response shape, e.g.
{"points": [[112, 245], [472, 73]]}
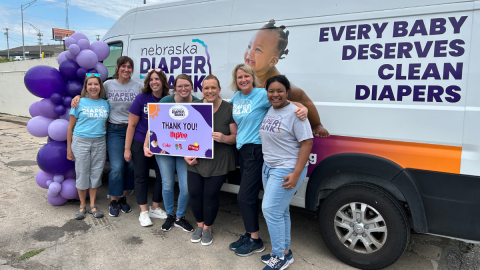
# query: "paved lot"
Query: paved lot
{"points": [[28, 223]]}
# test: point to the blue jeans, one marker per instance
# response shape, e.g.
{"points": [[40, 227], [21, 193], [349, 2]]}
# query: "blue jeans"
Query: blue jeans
{"points": [[121, 174], [167, 165], [276, 206]]}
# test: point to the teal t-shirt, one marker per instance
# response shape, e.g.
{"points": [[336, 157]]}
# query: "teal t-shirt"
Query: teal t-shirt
{"points": [[248, 112], [171, 99], [91, 117]]}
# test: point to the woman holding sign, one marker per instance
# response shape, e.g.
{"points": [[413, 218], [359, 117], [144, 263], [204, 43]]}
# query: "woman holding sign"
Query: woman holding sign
{"points": [[182, 93], [155, 88], [250, 104], [206, 176]]}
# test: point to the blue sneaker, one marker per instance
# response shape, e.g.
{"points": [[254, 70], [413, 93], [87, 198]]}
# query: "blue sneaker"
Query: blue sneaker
{"points": [[114, 212], [249, 248], [124, 205], [240, 242], [276, 263], [289, 257]]}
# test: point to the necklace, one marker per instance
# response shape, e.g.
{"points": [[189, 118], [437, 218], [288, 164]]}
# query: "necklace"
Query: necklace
{"points": [[154, 98]]}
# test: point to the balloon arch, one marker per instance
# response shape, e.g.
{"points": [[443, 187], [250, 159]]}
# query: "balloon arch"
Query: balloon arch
{"points": [[50, 115]]}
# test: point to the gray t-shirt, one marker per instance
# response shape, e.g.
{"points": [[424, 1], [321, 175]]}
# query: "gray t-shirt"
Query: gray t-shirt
{"points": [[120, 97], [281, 133]]}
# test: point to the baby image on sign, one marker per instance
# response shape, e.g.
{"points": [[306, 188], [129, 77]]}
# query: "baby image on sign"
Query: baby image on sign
{"points": [[181, 129]]}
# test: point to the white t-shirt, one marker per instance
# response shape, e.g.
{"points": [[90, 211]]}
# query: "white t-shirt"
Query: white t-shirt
{"points": [[120, 97]]}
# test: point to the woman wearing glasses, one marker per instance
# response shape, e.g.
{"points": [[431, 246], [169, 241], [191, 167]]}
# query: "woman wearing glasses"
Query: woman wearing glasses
{"points": [[182, 93], [86, 142], [154, 89]]}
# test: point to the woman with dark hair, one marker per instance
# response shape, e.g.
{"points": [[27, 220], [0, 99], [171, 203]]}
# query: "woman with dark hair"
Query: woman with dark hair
{"points": [[286, 145], [120, 93], [266, 48], [206, 176], [182, 93], [154, 89]]}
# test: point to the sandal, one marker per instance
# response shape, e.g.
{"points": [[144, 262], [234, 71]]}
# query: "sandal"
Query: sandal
{"points": [[95, 213], [81, 214]]}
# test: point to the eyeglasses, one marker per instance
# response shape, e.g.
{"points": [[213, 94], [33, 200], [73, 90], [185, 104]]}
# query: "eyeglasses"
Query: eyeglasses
{"points": [[186, 86], [92, 74], [156, 69]]}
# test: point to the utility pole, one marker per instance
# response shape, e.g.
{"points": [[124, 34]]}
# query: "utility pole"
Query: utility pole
{"points": [[39, 38], [144, 2], [98, 37], [8, 48], [23, 36], [66, 20]]}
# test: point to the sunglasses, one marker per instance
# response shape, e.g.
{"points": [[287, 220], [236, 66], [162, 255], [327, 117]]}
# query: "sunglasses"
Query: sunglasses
{"points": [[156, 70], [92, 74]]}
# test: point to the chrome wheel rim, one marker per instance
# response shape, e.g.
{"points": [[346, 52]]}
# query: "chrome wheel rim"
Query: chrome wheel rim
{"points": [[360, 227]]}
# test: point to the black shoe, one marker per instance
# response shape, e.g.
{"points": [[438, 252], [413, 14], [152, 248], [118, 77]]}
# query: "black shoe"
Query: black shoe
{"points": [[183, 223], [240, 242], [167, 225], [124, 205], [113, 211]]}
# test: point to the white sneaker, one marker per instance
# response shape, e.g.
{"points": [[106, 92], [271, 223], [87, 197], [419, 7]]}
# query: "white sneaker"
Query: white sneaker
{"points": [[157, 213], [145, 219]]}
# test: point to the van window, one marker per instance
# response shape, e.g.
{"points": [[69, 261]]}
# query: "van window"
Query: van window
{"points": [[111, 61]]}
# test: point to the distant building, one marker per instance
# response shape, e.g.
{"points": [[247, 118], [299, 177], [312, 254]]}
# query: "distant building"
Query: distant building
{"points": [[34, 51]]}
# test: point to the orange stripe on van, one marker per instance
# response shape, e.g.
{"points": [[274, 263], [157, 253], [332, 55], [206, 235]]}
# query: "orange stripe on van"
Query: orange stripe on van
{"points": [[422, 156]]}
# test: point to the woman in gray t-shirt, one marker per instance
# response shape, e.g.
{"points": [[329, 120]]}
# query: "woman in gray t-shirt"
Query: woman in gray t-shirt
{"points": [[286, 145]]}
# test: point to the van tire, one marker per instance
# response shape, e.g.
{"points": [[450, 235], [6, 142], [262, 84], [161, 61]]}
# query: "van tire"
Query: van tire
{"points": [[338, 231]]}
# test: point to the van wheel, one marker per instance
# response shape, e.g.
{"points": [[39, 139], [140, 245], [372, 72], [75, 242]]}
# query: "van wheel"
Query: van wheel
{"points": [[364, 226]]}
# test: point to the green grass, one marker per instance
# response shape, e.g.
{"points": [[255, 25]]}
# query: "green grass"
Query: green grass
{"points": [[4, 60], [30, 254]]}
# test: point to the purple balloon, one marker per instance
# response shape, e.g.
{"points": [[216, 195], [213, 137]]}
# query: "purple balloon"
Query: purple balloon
{"points": [[79, 36], [56, 98], [69, 41], [42, 178], [52, 158], [61, 57], [33, 110], [55, 187], [92, 70], [69, 190], [70, 174], [67, 101], [70, 56], [83, 44], [81, 73], [87, 59], [47, 108], [49, 182], [73, 88], [74, 49], [51, 193], [38, 126], [57, 130], [42, 81], [60, 110], [101, 49], [68, 69], [102, 70], [57, 200]]}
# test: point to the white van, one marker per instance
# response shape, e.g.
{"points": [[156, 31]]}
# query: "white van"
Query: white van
{"points": [[396, 83]]}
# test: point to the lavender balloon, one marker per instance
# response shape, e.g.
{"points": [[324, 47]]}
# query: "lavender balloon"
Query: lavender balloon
{"points": [[51, 193], [52, 158], [57, 200], [58, 178], [101, 49], [74, 49], [49, 182], [73, 88], [55, 187], [70, 56], [42, 81], [38, 126], [87, 59], [61, 57], [67, 101], [42, 178], [69, 41], [69, 190], [102, 70], [47, 108], [57, 130], [33, 110], [79, 36], [83, 44]]}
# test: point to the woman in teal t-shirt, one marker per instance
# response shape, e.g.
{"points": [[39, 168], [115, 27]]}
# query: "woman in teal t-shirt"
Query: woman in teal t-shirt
{"points": [[86, 143]]}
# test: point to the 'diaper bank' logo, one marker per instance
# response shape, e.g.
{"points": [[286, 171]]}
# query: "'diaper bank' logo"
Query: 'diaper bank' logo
{"points": [[176, 59]]}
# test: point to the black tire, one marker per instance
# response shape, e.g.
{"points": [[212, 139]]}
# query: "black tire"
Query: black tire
{"points": [[365, 256]]}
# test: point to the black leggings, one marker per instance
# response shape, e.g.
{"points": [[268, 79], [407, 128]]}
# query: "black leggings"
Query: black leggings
{"points": [[203, 193], [141, 168]]}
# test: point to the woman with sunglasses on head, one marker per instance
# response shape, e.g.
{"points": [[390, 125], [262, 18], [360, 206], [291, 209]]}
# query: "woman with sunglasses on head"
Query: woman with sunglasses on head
{"points": [[286, 145], [86, 142], [206, 176], [120, 93], [154, 89], [182, 93], [250, 105]]}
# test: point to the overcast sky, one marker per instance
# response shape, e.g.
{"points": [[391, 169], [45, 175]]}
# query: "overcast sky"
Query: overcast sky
{"points": [[85, 16]]}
